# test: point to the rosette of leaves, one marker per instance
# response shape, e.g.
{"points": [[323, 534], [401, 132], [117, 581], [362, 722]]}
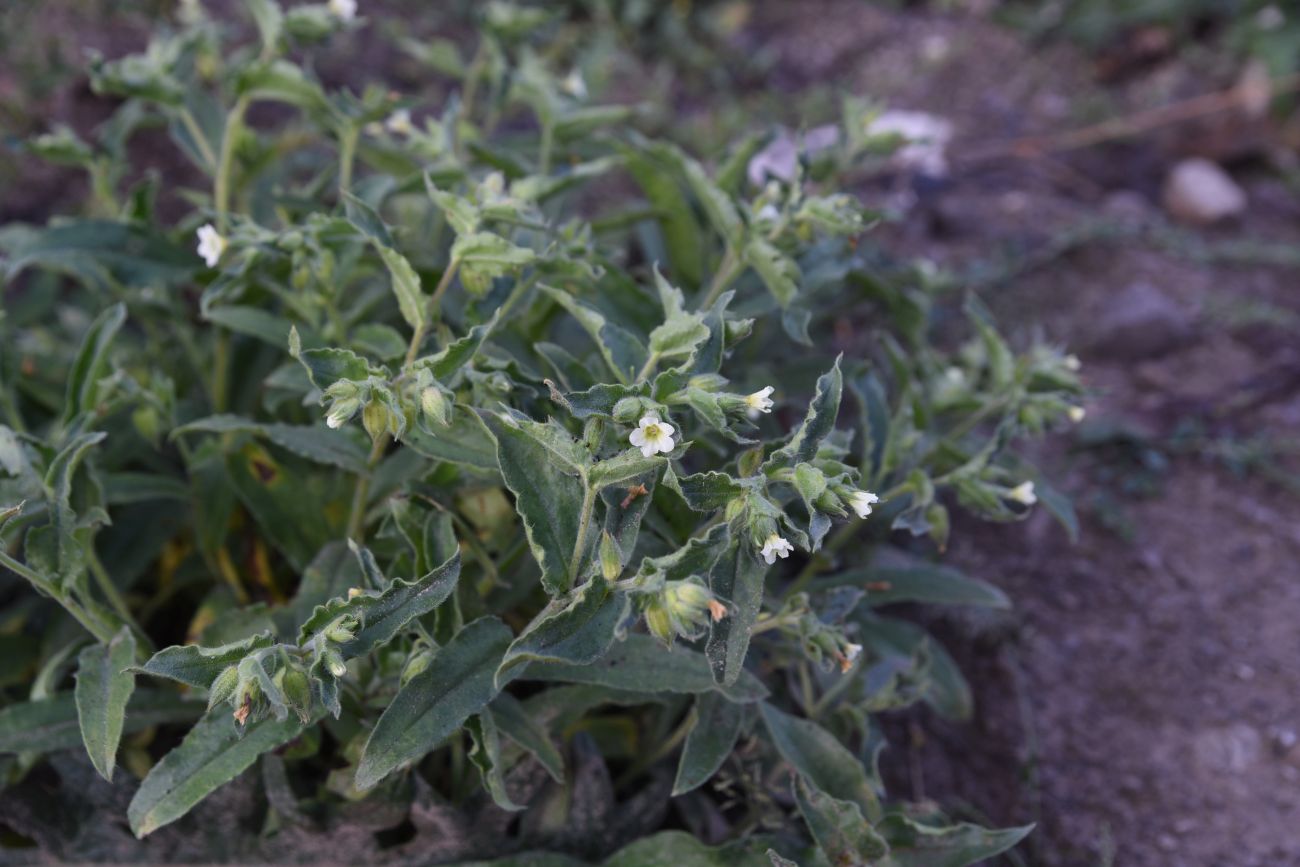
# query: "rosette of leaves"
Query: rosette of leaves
{"points": [[361, 502]]}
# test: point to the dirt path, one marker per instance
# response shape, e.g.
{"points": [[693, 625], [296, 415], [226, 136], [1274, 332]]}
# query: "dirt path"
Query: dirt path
{"points": [[1143, 700]]}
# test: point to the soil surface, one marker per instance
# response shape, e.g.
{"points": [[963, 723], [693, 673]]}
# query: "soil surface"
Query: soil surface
{"points": [[1142, 701]]}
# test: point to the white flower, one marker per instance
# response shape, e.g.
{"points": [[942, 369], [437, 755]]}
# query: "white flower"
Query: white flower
{"points": [[1076, 413], [926, 138], [399, 123], [862, 501], [760, 401], [852, 652], [211, 245], [1023, 493], [575, 85], [775, 547], [652, 435], [344, 10], [1072, 362]]}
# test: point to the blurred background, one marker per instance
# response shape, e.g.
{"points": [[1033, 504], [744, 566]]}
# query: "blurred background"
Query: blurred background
{"points": [[1120, 175]]}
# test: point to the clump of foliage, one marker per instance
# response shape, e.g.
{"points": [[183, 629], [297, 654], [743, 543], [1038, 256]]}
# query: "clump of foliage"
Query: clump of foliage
{"points": [[478, 479]]}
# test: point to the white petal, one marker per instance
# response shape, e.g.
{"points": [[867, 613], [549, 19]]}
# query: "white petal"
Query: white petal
{"points": [[648, 450], [649, 419], [665, 428], [637, 437], [664, 444]]}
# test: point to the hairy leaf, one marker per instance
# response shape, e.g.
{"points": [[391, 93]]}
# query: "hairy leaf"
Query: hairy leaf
{"points": [[105, 681]]}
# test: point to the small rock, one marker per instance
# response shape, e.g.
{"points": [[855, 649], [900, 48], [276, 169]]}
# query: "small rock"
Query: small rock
{"points": [[1142, 322], [1197, 191]]}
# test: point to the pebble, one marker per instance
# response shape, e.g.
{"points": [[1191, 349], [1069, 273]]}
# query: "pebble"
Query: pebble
{"points": [[1199, 192], [1140, 322]]}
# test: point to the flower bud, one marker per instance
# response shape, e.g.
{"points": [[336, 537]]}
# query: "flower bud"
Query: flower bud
{"points": [[297, 691], [223, 687], [435, 406], [416, 664], [611, 563], [627, 410], [659, 622], [334, 663], [341, 631], [375, 419]]}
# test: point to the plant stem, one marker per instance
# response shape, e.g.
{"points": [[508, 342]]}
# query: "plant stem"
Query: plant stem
{"points": [[544, 151], [579, 546], [728, 271], [111, 593], [200, 140], [347, 155], [221, 185], [357, 515], [434, 301], [92, 625], [649, 365]]}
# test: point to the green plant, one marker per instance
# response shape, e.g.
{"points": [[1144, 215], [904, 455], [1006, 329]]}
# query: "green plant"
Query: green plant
{"points": [[492, 353]]}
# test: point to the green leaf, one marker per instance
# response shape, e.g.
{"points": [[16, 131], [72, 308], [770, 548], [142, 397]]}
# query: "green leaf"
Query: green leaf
{"points": [[737, 577], [366, 220], [578, 629], [838, 826], [821, 759], [817, 424], [779, 273], [718, 721], [214, 752], [681, 331], [91, 363], [270, 21], [946, 690], [383, 614], [680, 849], [483, 256], [105, 682], [436, 702], [199, 666], [281, 81], [406, 286], [327, 366], [683, 236], [314, 442], [514, 721], [466, 441], [104, 254], [622, 468], [706, 492], [621, 349], [61, 551], [274, 490], [643, 664], [51, 724], [543, 466], [485, 754], [253, 321], [912, 844], [932, 583], [458, 353]]}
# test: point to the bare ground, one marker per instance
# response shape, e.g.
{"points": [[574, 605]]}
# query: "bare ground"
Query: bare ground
{"points": [[1142, 702]]}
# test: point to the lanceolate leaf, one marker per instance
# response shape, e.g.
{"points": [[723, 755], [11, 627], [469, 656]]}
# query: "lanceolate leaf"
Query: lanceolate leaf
{"points": [[91, 363], [105, 682], [642, 664], [313, 442], [821, 759], [737, 577], [465, 441], [912, 844], [486, 756], [514, 721], [718, 721], [50, 724], [436, 702], [213, 753], [817, 424], [838, 826], [406, 285], [199, 666], [577, 629], [622, 351], [545, 475], [383, 614]]}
